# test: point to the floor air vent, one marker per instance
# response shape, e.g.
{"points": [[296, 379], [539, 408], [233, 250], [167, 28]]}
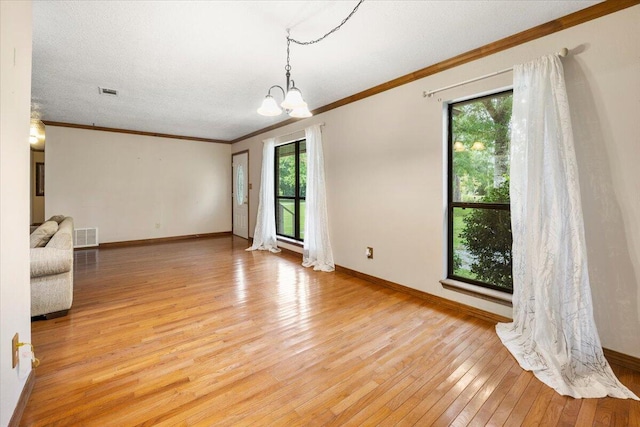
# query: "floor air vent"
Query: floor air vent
{"points": [[85, 237]]}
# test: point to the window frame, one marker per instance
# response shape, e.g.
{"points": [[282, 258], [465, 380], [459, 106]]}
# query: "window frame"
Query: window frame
{"points": [[297, 198], [451, 204]]}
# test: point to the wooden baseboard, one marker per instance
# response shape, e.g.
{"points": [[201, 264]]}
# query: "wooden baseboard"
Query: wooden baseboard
{"points": [[159, 240], [442, 302], [22, 401], [621, 359], [612, 356]]}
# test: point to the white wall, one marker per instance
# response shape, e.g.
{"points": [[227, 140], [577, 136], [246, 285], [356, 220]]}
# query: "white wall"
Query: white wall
{"points": [[385, 170], [15, 99], [137, 187]]}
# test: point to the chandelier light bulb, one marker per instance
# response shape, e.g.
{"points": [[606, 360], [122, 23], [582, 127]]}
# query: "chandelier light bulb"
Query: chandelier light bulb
{"points": [[293, 100], [269, 107], [458, 146], [300, 112]]}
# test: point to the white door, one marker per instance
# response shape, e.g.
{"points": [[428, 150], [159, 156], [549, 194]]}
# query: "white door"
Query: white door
{"points": [[240, 194]]}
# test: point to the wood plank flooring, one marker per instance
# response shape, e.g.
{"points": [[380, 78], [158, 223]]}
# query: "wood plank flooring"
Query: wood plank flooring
{"points": [[204, 333]]}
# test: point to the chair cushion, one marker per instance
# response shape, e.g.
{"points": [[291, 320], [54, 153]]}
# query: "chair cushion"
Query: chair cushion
{"points": [[41, 235], [57, 218]]}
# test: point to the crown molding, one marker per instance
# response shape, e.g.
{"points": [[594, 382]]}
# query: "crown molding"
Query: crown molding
{"points": [[134, 132]]}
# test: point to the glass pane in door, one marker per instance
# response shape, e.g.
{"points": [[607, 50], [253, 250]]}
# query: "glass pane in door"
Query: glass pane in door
{"points": [[240, 185]]}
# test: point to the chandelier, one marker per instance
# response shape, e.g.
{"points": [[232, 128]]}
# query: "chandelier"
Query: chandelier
{"points": [[292, 102]]}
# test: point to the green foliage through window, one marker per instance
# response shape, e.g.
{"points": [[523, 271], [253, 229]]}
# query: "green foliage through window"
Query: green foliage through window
{"points": [[480, 224], [291, 185]]}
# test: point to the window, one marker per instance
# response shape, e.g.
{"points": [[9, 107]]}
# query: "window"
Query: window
{"points": [[291, 186], [479, 231]]}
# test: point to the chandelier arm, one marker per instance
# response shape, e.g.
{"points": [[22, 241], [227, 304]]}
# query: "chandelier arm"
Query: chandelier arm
{"points": [[279, 87], [344, 21]]}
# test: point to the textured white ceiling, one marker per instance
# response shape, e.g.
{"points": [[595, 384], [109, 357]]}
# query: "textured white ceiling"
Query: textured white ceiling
{"points": [[202, 68]]}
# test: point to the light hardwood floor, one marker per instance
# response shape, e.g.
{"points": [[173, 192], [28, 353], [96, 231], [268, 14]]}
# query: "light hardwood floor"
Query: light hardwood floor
{"points": [[201, 332]]}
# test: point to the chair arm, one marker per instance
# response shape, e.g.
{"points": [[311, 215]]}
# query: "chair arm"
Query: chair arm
{"points": [[47, 261]]}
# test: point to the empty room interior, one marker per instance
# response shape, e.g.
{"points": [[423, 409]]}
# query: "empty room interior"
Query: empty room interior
{"points": [[320, 213]]}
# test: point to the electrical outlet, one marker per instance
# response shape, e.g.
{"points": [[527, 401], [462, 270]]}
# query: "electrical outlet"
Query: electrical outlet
{"points": [[14, 351], [369, 252]]}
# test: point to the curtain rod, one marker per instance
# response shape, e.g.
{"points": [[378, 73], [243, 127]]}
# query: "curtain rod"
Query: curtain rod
{"points": [[299, 130], [428, 94]]}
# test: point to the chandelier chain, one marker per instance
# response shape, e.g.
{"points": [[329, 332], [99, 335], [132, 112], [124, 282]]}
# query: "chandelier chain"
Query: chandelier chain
{"points": [[344, 21], [288, 67]]}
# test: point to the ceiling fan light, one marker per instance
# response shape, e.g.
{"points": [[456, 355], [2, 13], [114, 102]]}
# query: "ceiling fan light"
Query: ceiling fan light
{"points": [[269, 107], [300, 112], [293, 100], [36, 131]]}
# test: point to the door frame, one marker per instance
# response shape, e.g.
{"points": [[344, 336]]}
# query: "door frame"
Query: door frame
{"points": [[233, 187]]}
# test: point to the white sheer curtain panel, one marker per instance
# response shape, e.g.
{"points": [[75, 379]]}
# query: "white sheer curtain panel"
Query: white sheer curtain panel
{"points": [[553, 333], [317, 246], [264, 237]]}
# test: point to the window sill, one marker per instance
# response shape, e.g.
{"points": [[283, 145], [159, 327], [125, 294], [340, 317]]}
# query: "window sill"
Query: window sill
{"points": [[492, 295], [289, 241]]}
